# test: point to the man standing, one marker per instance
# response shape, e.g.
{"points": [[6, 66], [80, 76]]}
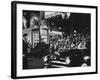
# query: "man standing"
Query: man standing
{"points": [[25, 51]]}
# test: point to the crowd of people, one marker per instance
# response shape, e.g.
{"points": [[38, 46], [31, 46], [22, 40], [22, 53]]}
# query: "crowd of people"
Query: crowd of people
{"points": [[72, 41]]}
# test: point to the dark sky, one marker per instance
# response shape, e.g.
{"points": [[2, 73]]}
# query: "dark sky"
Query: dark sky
{"points": [[79, 22]]}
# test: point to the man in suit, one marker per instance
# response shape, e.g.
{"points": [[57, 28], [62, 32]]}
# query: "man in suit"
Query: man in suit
{"points": [[25, 51]]}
